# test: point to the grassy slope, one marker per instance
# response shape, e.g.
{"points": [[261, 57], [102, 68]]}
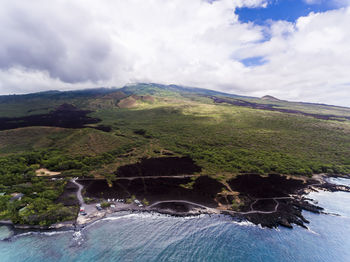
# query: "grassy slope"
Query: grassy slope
{"points": [[222, 138]]}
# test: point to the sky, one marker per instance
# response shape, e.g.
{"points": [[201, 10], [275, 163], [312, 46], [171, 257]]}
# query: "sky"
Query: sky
{"points": [[296, 50]]}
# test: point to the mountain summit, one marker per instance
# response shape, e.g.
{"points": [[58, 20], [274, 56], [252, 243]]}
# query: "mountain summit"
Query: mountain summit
{"points": [[270, 98]]}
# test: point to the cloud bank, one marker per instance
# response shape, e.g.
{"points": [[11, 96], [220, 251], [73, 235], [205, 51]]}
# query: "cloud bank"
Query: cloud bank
{"points": [[61, 44]]}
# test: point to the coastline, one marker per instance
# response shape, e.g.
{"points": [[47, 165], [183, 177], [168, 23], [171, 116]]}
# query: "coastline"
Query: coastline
{"points": [[257, 217], [145, 233]]}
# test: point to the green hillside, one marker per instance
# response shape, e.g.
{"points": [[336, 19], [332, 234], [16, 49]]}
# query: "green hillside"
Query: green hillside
{"points": [[220, 136], [224, 134]]}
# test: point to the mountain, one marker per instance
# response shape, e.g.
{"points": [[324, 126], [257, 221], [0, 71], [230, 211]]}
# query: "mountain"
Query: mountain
{"points": [[209, 139], [270, 98], [153, 89]]}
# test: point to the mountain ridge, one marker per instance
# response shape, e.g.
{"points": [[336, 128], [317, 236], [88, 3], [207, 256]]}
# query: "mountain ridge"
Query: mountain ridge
{"points": [[135, 87]]}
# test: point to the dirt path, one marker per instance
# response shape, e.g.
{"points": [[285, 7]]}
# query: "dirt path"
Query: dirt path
{"points": [[80, 188], [155, 177], [88, 208], [252, 210], [184, 201], [146, 177], [92, 213]]}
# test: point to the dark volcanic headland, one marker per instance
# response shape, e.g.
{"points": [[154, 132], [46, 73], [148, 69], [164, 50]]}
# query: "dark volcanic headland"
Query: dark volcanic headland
{"points": [[164, 166], [267, 200]]}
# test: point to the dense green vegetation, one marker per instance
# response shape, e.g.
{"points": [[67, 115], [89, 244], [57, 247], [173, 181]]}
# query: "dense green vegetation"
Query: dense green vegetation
{"points": [[40, 194], [223, 139], [38, 204]]}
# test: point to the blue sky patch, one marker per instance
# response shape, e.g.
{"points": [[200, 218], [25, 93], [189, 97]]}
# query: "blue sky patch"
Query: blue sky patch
{"points": [[253, 61], [289, 10]]}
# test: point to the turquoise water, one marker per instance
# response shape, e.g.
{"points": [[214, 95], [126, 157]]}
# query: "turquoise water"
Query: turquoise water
{"points": [[153, 237]]}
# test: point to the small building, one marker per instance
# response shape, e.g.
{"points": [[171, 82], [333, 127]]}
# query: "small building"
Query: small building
{"points": [[16, 196]]}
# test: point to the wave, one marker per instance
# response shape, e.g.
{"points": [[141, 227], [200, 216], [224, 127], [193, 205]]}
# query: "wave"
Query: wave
{"points": [[78, 238], [244, 223], [117, 217], [312, 232], [51, 233], [152, 215]]}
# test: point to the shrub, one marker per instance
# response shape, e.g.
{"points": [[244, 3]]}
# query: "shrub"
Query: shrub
{"points": [[105, 204]]}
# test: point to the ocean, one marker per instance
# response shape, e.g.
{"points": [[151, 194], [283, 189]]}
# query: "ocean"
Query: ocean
{"points": [[154, 237]]}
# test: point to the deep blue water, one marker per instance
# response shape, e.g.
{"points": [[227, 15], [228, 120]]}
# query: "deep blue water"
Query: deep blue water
{"points": [[153, 237]]}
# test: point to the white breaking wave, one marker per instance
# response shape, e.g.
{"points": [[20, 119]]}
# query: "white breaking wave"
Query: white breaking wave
{"points": [[244, 223], [313, 232], [52, 233], [149, 215]]}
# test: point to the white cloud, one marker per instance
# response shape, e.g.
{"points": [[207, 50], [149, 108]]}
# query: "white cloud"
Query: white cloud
{"points": [[311, 62], [336, 3], [312, 2], [65, 45]]}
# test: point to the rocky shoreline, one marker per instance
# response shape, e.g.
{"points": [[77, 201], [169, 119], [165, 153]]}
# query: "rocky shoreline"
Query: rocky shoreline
{"points": [[288, 210]]}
